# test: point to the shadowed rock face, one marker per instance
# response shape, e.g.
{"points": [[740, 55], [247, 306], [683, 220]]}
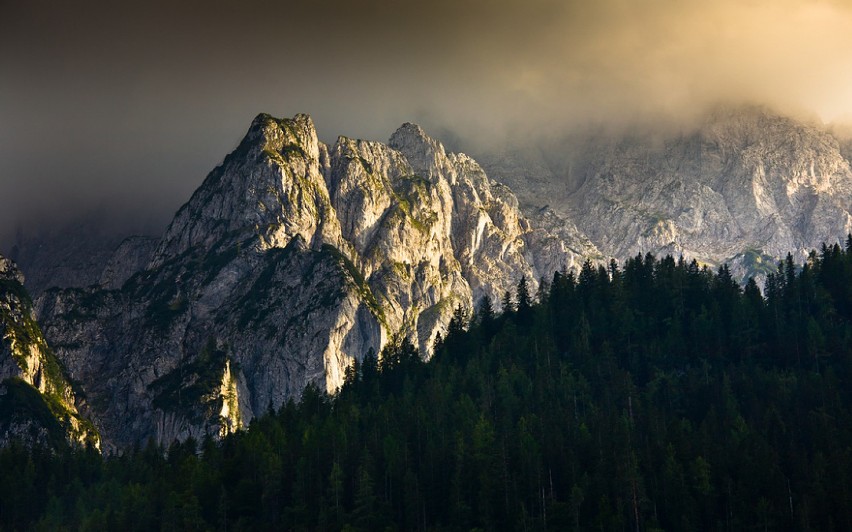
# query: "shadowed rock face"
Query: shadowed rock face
{"points": [[292, 259], [71, 254], [745, 187]]}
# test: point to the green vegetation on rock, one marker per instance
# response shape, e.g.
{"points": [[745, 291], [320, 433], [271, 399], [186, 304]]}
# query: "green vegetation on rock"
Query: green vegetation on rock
{"points": [[25, 342], [23, 406], [756, 263], [193, 384], [361, 284]]}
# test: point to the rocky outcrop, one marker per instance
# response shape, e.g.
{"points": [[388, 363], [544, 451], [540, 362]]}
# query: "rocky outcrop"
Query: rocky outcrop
{"points": [[292, 259], [49, 405]]}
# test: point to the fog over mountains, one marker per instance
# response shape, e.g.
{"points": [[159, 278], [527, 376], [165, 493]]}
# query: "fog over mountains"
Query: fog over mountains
{"points": [[744, 186], [126, 107]]}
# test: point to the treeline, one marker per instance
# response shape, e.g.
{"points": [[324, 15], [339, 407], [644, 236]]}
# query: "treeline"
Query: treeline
{"points": [[660, 395]]}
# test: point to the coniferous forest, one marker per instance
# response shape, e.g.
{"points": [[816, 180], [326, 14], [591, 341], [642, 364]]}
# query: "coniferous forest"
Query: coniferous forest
{"points": [[655, 396]]}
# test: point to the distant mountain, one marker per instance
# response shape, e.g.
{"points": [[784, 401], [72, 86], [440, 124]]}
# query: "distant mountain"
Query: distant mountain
{"points": [[293, 259], [69, 254], [745, 187]]}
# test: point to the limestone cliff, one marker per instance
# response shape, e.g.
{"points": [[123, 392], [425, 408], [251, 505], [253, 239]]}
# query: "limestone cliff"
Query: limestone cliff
{"points": [[290, 261]]}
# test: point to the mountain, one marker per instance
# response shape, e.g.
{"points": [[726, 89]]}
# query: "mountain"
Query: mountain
{"points": [[293, 259], [37, 401], [94, 248], [72, 253], [746, 186]]}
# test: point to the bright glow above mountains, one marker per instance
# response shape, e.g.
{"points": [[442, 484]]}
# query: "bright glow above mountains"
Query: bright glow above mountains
{"points": [[130, 105]]}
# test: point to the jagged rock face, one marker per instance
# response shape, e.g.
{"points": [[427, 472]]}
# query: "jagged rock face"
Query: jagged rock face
{"points": [[271, 187], [9, 272], [27, 361], [746, 187], [132, 255], [292, 259]]}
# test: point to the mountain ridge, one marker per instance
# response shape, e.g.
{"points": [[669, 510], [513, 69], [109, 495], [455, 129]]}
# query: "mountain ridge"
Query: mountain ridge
{"points": [[293, 259], [296, 258]]}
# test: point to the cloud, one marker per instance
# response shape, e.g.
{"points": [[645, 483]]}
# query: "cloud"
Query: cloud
{"points": [[130, 104], [619, 60]]}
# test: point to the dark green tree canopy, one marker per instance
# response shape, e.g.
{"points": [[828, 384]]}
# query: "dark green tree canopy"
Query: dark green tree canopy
{"points": [[657, 396]]}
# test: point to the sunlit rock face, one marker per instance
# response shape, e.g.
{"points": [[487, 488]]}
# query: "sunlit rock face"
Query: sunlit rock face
{"points": [[37, 403], [746, 186], [293, 259]]}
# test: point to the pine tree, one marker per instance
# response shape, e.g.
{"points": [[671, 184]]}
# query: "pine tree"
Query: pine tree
{"points": [[525, 303], [508, 306]]}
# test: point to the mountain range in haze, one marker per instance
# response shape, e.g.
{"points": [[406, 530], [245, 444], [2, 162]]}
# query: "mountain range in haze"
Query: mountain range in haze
{"points": [[295, 257], [627, 177]]}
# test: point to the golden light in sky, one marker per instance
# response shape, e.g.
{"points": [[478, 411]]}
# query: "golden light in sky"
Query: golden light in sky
{"points": [[137, 101]]}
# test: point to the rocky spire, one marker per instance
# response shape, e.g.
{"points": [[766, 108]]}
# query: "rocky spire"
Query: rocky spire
{"points": [[425, 154], [267, 190]]}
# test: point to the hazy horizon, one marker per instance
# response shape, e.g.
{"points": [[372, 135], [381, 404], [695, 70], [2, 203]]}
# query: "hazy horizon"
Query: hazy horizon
{"points": [[127, 107]]}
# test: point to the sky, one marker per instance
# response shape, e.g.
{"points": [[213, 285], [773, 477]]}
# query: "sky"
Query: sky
{"points": [[126, 106]]}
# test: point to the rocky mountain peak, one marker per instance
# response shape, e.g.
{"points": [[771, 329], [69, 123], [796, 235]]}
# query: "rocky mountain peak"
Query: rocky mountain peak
{"points": [[778, 148], [425, 154], [27, 361], [409, 132], [745, 186], [267, 190], [269, 133], [292, 260]]}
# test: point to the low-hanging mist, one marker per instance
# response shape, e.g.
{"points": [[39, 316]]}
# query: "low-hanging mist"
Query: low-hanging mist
{"points": [[128, 107]]}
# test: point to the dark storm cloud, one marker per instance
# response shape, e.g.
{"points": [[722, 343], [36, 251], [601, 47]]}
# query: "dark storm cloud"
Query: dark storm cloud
{"points": [[129, 104]]}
